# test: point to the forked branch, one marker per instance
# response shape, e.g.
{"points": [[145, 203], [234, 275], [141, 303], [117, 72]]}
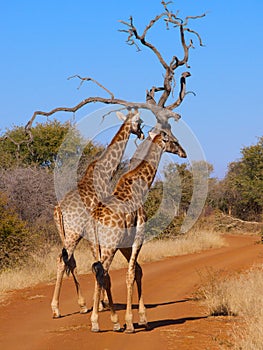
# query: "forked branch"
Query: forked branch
{"points": [[170, 18], [94, 81]]}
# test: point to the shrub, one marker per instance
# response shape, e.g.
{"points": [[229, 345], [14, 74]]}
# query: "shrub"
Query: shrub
{"points": [[16, 240]]}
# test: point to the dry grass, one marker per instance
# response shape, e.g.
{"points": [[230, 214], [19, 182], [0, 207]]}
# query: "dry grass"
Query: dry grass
{"points": [[42, 267], [193, 242], [241, 295]]}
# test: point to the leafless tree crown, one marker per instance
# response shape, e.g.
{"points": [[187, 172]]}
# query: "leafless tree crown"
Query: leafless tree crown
{"points": [[158, 106]]}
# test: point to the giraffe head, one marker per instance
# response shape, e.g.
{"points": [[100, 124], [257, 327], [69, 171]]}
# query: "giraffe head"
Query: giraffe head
{"points": [[135, 122], [168, 142]]}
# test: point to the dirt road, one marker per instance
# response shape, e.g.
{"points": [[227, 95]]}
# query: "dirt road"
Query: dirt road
{"points": [[176, 321]]}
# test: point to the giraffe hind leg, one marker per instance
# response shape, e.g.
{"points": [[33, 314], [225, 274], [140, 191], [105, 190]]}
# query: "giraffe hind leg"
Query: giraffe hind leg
{"points": [[142, 309], [55, 299], [68, 266], [126, 252], [103, 282], [71, 267], [81, 299]]}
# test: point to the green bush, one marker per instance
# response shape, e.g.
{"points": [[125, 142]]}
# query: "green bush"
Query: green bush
{"points": [[16, 239]]}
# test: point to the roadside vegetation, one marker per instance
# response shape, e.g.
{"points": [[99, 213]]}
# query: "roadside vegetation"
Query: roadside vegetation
{"points": [[238, 295], [29, 243], [27, 195]]}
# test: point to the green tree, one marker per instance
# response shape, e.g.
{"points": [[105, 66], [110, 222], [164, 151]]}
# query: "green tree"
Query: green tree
{"points": [[243, 184], [178, 184], [17, 149], [179, 181]]}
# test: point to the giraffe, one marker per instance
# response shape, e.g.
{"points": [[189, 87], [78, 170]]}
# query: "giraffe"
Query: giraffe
{"points": [[119, 222], [70, 214]]}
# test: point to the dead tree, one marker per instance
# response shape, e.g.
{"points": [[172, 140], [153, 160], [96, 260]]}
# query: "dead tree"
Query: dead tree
{"points": [[160, 107]]}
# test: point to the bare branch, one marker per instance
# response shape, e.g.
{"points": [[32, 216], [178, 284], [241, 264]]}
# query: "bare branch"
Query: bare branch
{"points": [[159, 114], [150, 94], [197, 34], [110, 112], [182, 25], [182, 92], [149, 26], [165, 4], [134, 33], [169, 80], [193, 17], [93, 80]]}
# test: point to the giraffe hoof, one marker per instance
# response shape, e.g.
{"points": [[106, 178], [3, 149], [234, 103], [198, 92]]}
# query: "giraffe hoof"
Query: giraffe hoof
{"points": [[117, 327], [143, 323], [95, 328], [56, 313], [129, 330], [84, 310]]}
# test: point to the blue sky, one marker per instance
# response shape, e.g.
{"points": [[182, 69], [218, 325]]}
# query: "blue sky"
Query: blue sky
{"points": [[45, 42]]}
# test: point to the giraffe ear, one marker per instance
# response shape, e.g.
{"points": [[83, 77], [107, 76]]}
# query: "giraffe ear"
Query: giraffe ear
{"points": [[152, 134], [121, 116]]}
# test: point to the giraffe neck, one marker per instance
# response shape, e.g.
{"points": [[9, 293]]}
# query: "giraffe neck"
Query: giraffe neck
{"points": [[123, 133], [140, 153], [96, 182], [134, 185]]}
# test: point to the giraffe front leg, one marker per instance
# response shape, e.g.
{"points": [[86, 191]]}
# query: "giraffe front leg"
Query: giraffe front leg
{"points": [[94, 315], [128, 316], [55, 300], [142, 309]]}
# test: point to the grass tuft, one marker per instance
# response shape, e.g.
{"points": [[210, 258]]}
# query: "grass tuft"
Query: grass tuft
{"points": [[238, 295]]}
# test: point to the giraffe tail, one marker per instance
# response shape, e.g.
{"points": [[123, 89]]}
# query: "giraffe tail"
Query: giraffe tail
{"points": [[98, 270], [66, 260], [60, 222], [58, 216]]}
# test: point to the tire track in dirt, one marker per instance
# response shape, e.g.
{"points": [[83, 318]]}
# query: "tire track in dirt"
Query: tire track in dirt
{"points": [[176, 320]]}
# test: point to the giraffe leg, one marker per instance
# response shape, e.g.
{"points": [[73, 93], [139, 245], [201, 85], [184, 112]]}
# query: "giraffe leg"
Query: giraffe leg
{"points": [[103, 281], [104, 302], [130, 278], [66, 261], [114, 316], [142, 309], [81, 299], [138, 279], [94, 315], [129, 283], [70, 263], [55, 300]]}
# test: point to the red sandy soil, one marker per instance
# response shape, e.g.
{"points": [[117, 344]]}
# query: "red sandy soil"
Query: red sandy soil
{"points": [[176, 319]]}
